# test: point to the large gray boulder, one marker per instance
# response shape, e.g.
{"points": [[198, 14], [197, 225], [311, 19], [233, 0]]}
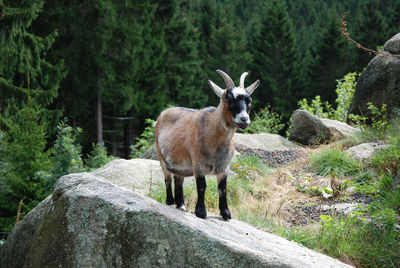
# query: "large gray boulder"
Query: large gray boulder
{"points": [[90, 222], [380, 82], [309, 129], [140, 175]]}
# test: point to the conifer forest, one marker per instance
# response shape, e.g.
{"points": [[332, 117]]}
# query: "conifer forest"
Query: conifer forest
{"points": [[79, 79]]}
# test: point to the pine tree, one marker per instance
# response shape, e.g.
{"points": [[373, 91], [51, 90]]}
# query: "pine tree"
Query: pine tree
{"points": [[183, 64], [28, 85], [25, 161], [228, 50], [332, 56], [112, 53], [369, 30], [276, 61]]}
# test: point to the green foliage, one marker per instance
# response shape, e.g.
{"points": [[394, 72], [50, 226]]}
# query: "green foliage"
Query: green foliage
{"points": [[22, 159], [276, 61], [344, 94], [266, 121], [249, 167], [379, 125], [345, 91], [387, 160], [317, 190], [67, 154], [365, 242], [334, 162], [317, 107], [145, 140], [332, 58], [98, 157]]}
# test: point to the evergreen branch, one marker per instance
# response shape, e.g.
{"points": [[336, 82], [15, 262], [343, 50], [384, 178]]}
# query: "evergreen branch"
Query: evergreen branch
{"points": [[2, 10], [346, 34]]}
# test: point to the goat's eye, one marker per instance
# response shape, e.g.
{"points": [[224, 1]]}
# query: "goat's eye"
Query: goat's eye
{"points": [[247, 99], [229, 97]]}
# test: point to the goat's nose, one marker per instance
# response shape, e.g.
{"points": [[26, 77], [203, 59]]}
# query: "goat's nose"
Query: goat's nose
{"points": [[243, 119]]}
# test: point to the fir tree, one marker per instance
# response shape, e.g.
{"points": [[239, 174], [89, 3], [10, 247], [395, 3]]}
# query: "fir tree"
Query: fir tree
{"points": [[276, 61], [369, 30], [28, 85], [332, 56]]}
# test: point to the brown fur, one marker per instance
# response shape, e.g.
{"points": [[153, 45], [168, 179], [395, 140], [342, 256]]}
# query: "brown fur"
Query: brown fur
{"points": [[186, 139]]}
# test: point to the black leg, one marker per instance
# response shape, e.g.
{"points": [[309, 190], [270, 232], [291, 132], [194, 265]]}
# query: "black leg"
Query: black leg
{"points": [[179, 197], [170, 198], [223, 204], [200, 209]]}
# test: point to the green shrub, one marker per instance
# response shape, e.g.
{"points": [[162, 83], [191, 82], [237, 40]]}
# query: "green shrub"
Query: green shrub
{"points": [[145, 140], [22, 159], [98, 157], [344, 92], [317, 107], [387, 160], [334, 162], [366, 243], [67, 154], [266, 121]]}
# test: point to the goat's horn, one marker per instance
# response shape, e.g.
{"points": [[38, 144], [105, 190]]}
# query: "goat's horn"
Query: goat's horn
{"points": [[228, 81], [242, 77]]}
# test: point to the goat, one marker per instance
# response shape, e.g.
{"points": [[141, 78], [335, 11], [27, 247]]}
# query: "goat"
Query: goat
{"points": [[199, 142]]}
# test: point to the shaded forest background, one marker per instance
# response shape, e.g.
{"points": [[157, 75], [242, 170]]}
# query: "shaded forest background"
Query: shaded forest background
{"points": [[101, 67]]}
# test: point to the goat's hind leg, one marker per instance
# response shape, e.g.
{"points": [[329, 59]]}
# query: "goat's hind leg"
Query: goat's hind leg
{"points": [[223, 204], [179, 196]]}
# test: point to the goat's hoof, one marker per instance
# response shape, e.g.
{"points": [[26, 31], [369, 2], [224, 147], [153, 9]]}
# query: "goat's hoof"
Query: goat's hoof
{"points": [[170, 201], [182, 207], [226, 214], [200, 212]]}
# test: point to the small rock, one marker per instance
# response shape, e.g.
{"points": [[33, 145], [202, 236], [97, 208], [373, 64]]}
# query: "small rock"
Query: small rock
{"points": [[344, 208], [365, 151], [396, 180], [351, 189]]}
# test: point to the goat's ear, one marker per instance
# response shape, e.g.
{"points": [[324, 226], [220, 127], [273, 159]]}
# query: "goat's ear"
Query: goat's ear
{"points": [[218, 91], [253, 86]]}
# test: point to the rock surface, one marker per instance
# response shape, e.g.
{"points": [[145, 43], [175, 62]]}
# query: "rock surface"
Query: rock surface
{"points": [[90, 222], [140, 175], [273, 149], [309, 129], [380, 82], [365, 151], [264, 141], [150, 153], [393, 44]]}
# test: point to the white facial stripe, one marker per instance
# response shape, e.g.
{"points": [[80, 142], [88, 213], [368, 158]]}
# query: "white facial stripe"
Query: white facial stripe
{"points": [[238, 117], [238, 91]]}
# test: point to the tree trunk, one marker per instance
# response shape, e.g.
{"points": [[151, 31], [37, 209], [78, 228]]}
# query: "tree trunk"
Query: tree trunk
{"points": [[99, 118], [127, 138]]}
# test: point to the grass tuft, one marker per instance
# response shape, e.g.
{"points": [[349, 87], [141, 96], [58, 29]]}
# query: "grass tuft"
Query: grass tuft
{"points": [[334, 162]]}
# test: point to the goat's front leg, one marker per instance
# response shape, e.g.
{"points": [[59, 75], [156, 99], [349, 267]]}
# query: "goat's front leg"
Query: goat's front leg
{"points": [[223, 204], [170, 199], [200, 209]]}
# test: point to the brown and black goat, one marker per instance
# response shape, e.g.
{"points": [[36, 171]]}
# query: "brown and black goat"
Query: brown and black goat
{"points": [[199, 142]]}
